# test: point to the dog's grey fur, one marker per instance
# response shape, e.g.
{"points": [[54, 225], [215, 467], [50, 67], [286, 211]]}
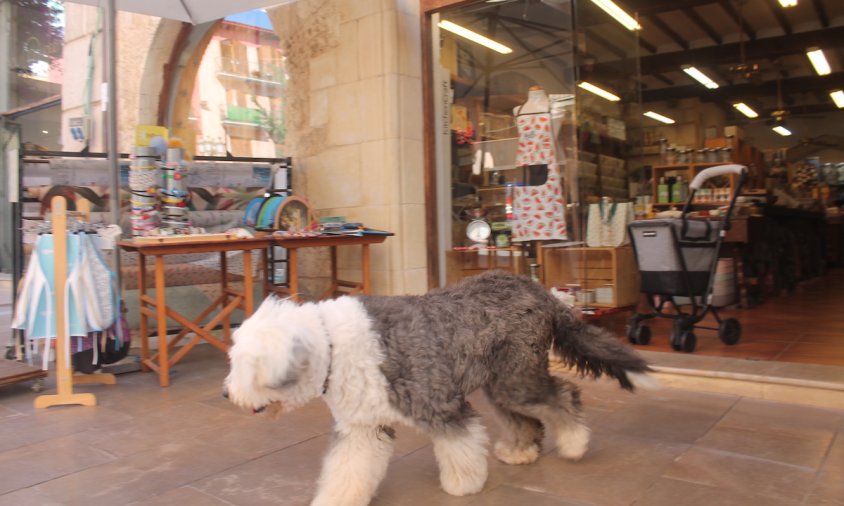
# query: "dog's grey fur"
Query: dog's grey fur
{"points": [[379, 361], [491, 331]]}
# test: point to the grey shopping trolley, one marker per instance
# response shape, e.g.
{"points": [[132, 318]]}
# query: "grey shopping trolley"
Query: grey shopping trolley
{"points": [[677, 259]]}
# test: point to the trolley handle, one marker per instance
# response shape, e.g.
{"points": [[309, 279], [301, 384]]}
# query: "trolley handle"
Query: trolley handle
{"points": [[718, 170]]}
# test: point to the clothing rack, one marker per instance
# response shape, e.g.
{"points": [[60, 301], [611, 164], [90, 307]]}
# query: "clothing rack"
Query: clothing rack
{"points": [[65, 379]]}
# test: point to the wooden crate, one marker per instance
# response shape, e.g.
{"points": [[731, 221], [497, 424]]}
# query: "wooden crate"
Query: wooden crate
{"points": [[594, 268], [462, 263]]}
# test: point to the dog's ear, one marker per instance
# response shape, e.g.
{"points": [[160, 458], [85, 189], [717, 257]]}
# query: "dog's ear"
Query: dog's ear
{"points": [[300, 361]]}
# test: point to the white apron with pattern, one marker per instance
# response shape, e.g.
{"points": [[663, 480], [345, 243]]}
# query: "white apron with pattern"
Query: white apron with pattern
{"points": [[538, 211]]}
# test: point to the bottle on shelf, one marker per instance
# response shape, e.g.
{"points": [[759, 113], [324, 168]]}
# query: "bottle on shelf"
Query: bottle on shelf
{"points": [[679, 190], [662, 192]]}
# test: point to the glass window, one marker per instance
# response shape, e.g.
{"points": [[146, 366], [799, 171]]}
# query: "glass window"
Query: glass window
{"points": [[535, 101], [504, 84], [31, 83], [237, 107]]}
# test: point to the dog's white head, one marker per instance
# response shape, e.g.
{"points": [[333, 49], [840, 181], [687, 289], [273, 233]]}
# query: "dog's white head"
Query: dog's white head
{"points": [[279, 359]]}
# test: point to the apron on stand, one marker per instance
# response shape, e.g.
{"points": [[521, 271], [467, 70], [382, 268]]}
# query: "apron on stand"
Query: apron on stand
{"points": [[538, 211]]}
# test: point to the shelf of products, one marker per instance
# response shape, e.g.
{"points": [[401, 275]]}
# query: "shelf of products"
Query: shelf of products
{"points": [[604, 277], [670, 185]]}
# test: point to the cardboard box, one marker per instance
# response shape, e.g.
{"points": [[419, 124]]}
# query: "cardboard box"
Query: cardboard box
{"points": [[733, 131]]}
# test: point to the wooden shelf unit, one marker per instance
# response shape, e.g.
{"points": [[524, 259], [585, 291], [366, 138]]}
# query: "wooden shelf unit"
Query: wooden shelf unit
{"points": [[594, 268], [688, 172], [464, 262]]}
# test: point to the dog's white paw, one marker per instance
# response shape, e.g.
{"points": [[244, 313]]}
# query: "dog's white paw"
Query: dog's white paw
{"points": [[573, 442], [516, 457], [467, 483]]}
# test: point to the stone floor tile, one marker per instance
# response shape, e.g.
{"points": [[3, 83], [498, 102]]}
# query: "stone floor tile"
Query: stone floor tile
{"points": [[141, 476], [751, 440], [29, 465], [741, 474], [31, 496], [828, 489], [187, 496], [668, 416], [615, 469], [286, 477], [669, 492]]}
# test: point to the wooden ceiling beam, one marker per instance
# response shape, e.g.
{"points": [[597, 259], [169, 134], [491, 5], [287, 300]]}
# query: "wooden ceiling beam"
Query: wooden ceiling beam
{"points": [[667, 30], [703, 25], [668, 82], [779, 15], [725, 54], [823, 17], [747, 91], [734, 14], [645, 44], [651, 7]]}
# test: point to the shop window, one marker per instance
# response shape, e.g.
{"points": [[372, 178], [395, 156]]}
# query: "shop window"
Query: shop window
{"points": [[237, 106], [525, 149]]}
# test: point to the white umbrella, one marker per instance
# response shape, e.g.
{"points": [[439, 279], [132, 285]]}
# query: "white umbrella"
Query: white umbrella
{"points": [[191, 11]]}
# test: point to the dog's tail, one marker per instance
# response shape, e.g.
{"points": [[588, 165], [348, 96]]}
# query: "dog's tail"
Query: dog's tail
{"points": [[593, 351]]}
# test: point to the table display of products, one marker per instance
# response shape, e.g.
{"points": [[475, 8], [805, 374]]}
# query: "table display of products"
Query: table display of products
{"points": [[144, 181], [159, 196]]}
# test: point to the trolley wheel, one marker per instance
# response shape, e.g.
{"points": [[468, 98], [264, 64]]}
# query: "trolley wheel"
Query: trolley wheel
{"points": [[639, 334], [729, 331], [687, 341], [677, 330]]}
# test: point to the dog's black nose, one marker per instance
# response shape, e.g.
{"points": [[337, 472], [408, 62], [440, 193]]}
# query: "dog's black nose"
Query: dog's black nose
{"points": [[225, 393]]}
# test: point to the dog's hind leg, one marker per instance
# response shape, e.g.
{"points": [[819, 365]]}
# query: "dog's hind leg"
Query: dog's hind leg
{"points": [[554, 401], [522, 440], [563, 415], [461, 454], [354, 466]]}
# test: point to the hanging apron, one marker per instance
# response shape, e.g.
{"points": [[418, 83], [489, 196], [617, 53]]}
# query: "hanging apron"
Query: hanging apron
{"points": [[538, 211]]}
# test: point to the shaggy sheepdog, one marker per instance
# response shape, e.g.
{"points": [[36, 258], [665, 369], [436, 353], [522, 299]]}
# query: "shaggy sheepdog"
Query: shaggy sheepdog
{"points": [[381, 361]]}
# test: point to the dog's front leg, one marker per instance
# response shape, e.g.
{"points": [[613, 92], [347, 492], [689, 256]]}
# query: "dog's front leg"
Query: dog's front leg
{"points": [[354, 466], [461, 454]]}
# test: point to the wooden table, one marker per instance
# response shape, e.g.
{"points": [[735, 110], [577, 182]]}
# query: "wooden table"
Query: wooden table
{"points": [[157, 307], [294, 244]]}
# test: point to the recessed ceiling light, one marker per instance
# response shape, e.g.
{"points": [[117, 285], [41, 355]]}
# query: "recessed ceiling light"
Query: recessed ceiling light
{"points": [[782, 130], [818, 60], [599, 91], [44, 132], [788, 3], [700, 77], [659, 117], [618, 14], [474, 37], [746, 110], [838, 98]]}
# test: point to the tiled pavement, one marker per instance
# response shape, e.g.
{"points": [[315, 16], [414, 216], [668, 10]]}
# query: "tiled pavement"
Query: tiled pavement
{"points": [[186, 445]]}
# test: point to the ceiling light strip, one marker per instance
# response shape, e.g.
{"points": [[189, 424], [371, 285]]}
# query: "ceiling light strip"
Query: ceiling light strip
{"points": [[618, 14], [788, 3], [782, 130], [838, 98], [599, 91], [474, 37], [659, 117], [746, 110], [700, 77], [818, 60]]}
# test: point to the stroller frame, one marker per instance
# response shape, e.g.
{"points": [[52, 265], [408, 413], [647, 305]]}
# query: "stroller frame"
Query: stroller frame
{"points": [[682, 283]]}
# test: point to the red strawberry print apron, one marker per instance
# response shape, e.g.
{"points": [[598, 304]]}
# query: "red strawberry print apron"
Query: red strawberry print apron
{"points": [[538, 211]]}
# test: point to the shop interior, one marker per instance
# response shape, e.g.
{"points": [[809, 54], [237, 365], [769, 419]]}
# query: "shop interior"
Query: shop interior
{"points": [[638, 111]]}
